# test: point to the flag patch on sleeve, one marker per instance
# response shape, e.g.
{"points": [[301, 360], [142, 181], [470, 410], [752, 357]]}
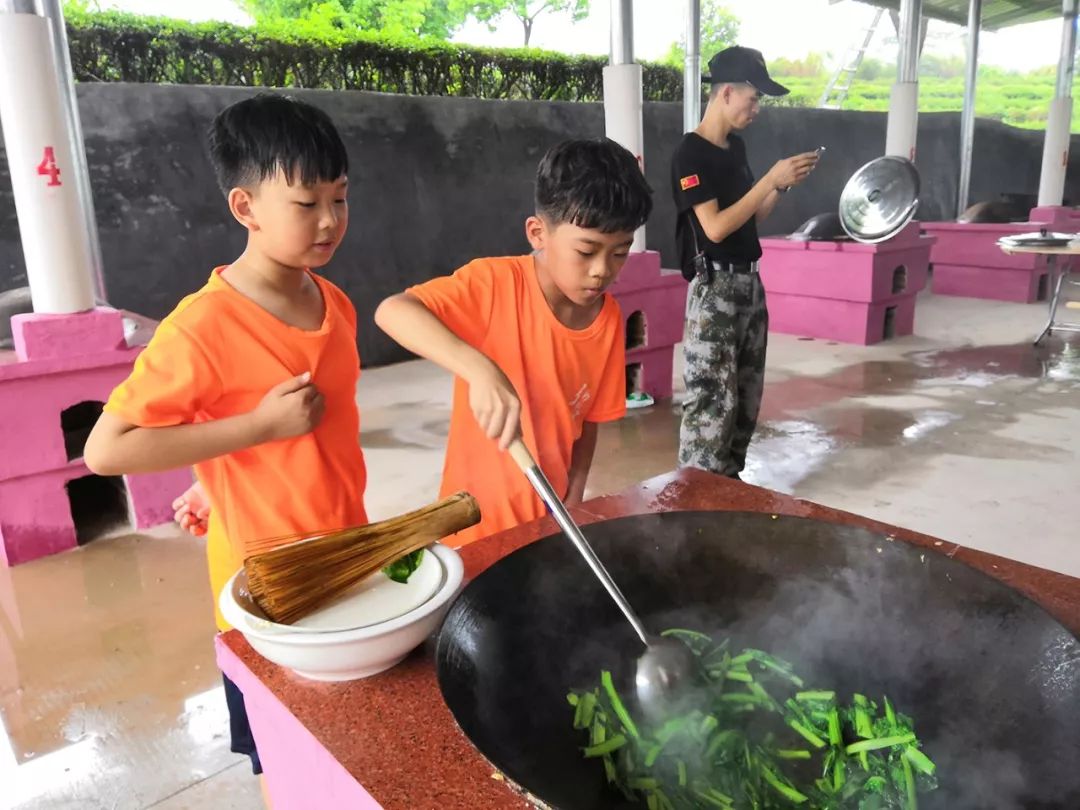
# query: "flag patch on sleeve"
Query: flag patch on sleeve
{"points": [[689, 182]]}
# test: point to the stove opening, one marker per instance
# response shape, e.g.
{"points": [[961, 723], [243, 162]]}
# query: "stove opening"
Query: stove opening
{"points": [[633, 378], [899, 280], [889, 331], [99, 506], [77, 422], [636, 335]]}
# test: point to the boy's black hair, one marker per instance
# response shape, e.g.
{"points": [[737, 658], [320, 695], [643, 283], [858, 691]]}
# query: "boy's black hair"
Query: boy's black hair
{"points": [[592, 184], [250, 140]]}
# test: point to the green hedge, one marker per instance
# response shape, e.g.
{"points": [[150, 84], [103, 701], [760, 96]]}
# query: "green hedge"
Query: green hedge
{"points": [[116, 47]]}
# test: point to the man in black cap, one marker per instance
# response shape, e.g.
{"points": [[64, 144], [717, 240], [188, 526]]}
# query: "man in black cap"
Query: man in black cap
{"points": [[719, 204]]}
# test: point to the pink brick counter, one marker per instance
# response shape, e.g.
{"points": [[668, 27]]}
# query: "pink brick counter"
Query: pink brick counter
{"points": [[968, 263]]}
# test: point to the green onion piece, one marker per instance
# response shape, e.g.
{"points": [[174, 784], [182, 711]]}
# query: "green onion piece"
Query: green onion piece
{"points": [[919, 760], [786, 791], [804, 697], [834, 728], [617, 705], [880, 742], [793, 754], [839, 776], [807, 734], [718, 741], [682, 773], [912, 802], [713, 799], [694, 635], [739, 675], [606, 747]]}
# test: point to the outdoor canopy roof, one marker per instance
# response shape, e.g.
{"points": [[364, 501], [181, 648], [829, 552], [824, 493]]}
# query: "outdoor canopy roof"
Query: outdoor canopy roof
{"points": [[996, 14]]}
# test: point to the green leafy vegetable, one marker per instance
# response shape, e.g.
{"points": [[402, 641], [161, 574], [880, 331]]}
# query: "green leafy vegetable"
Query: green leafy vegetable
{"points": [[757, 741], [400, 570]]}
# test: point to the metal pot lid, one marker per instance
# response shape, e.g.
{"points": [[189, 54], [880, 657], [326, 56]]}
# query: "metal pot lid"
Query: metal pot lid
{"points": [[1042, 238], [880, 199]]}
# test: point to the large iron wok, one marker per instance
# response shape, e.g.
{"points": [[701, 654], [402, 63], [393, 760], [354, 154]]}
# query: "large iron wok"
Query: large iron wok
{"points": [[992, 681]]}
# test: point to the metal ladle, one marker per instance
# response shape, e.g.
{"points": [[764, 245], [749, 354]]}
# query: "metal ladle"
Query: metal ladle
{"points": [[667, 664]]}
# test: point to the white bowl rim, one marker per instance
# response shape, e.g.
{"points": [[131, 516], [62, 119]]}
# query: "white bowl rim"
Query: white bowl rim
{"points": [[455, 574]]}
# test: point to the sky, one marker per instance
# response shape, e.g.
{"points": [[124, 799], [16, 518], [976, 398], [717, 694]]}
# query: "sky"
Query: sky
{"points": [[778, 28]]}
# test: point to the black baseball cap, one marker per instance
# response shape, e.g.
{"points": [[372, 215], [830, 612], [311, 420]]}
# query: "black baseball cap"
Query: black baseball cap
{"points": [[738, 65]]}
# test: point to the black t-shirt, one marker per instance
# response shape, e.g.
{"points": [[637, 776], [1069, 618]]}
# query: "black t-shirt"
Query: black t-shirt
{"points": [[702, 171]]}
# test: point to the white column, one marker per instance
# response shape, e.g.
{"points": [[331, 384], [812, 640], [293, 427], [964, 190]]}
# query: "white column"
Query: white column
{"points": [[1058, 122], [903, 122], [692, 67], [967, 117], [38, 145], [622, 93]]}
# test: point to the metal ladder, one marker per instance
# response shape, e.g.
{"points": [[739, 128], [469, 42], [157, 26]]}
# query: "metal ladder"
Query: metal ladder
{"points": [[837, 88]]}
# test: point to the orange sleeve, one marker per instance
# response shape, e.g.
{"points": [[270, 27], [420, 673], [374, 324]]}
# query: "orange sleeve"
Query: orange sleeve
{"points": [[463, 301], [610, 402], [173, 380]]}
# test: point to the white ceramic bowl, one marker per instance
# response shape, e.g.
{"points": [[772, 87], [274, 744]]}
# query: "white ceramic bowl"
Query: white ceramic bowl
{"points": [[345, 655]]}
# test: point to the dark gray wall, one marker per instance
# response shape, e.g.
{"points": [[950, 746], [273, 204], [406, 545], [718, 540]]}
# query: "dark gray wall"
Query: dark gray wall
{"points": [[438, 181]]}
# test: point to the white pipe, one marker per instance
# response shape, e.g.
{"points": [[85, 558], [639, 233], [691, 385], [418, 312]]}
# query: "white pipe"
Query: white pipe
{"points": [[967, 117], [910, 40], [622, 93], [51, 224], [692, 67], [1055, 161], [903, 121], [622, 32]]}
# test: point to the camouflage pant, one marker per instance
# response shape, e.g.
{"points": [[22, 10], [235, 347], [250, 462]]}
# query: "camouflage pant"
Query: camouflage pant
{"points": [[727, 327]]}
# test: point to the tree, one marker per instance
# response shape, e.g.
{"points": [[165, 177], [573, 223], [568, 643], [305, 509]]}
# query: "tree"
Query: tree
{"points": [[525, 10], [431, 18], [719, 30]]}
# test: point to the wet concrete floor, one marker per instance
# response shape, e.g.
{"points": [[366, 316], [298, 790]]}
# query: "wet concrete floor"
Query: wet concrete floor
{"points": [[109, 696]]}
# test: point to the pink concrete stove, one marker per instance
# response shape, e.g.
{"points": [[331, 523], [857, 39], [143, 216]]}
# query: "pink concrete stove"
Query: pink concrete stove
{"points": [[653, 302], [843, 290], [52, 388]]}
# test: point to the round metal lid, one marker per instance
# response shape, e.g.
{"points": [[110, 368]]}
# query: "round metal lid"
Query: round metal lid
{"points": [[879, 199]]}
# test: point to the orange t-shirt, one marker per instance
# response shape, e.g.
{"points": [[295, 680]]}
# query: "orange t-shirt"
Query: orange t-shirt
{"points": [[216, 355], [565, 377]]}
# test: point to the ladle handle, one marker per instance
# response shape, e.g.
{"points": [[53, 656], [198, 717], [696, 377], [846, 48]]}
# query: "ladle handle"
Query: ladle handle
{"points": [[521, 455]]}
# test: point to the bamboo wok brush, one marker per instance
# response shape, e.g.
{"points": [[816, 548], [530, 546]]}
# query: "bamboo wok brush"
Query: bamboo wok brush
{"points": [[293, 580]]}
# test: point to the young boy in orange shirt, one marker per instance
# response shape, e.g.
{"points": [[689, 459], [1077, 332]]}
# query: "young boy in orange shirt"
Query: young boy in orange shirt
{"points": [[252, 379], [535, 342]]}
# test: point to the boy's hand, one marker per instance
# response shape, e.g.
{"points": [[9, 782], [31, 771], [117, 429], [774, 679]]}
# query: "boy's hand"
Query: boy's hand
{"points": [[290, 409], [793, 170], [494, 403], [192, 510]]}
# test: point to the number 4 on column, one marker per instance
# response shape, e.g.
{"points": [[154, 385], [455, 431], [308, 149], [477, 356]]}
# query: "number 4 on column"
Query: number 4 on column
{"points": [[48, 167]]}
